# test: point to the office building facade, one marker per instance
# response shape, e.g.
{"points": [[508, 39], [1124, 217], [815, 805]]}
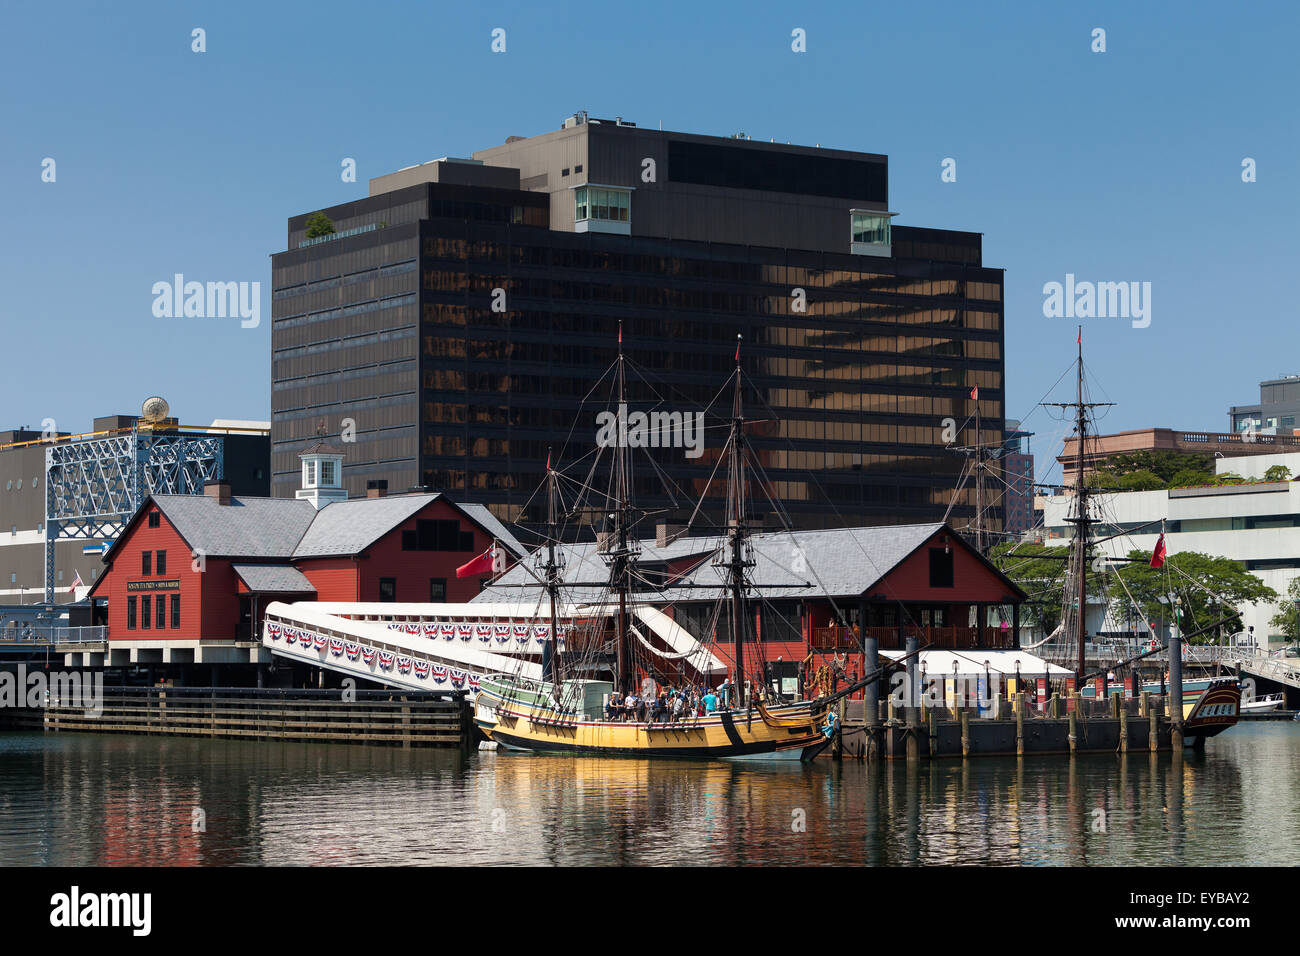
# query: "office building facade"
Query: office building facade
{"points": [[461, 321]]}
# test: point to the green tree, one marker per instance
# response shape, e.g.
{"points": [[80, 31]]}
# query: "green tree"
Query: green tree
{"points": [[1278, 473], [1164, 464], [319, 224], [1039, 570], [1224, 585], [1229, 478], [1287, 620], [1141, 480], [1190, 478]]}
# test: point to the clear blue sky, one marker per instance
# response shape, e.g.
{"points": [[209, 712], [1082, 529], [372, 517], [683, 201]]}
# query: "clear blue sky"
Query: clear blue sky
{"points": [[1122, 166]]}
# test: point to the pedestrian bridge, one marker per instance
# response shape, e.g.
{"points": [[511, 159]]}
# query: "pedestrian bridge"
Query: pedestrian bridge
{"points": [[450, 646], [1280, 670]]}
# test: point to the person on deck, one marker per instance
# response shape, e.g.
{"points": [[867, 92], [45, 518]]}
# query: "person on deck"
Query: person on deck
{"points": [[679, 706], [710, 701]]}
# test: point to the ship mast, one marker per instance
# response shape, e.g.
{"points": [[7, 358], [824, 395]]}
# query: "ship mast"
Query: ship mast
{"points": [[551, 665], [1082, 521], [737, 532], [621, 565], [979, 477]]}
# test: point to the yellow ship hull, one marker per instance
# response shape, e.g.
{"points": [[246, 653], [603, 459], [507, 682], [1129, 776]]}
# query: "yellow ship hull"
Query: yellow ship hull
{"points": [[740, 735]]}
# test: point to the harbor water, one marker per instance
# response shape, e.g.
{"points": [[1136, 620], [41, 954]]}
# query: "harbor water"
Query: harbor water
{"points": [[78, 800]]}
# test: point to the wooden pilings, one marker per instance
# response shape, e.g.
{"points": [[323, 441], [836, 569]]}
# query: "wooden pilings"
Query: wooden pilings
{"points": [[396, 717]]}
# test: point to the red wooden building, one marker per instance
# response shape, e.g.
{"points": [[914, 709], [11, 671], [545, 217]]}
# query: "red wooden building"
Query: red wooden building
{"points": [[201, 568]]}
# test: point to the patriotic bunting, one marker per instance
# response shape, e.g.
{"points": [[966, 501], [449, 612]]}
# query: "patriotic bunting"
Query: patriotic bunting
{"points": [[483, 632], [336, 646], [320, 642], [431, 631], [464, 631], [354, 651], [439, 673], [457, 678], [403, 665], [422, 670], [386, 660], [273, 629], [367, 655]]}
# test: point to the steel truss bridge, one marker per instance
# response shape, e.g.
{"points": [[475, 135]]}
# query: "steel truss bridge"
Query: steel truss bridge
{"points": [[94, 486]]}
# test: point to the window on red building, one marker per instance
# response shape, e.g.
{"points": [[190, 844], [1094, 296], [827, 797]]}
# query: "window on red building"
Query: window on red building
{"points": [[155, 519], [941, 568], [437, 590], [146, 563], [162, 562], [388, 590], [176, 611], [162, 613], [145, 612], [130, 613]]}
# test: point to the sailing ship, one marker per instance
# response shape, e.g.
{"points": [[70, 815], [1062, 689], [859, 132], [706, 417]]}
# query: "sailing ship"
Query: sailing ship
{"points": [[1210, 705], [569, 710]]}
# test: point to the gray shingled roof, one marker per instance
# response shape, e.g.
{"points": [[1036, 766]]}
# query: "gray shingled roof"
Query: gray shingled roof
{"points": [[245, 528], [274, 579], [349, 527], [840, 562]]}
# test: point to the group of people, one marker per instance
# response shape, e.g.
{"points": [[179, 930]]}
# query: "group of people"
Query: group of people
{"points": [[670, 704]]}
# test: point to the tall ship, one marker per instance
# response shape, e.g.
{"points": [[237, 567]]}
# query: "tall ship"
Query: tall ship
{"points": [[1210, 704], [655, 701]]}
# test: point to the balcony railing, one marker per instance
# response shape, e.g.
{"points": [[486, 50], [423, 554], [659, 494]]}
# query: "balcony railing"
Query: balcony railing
{"points": [[40, 635], [939, 638]]}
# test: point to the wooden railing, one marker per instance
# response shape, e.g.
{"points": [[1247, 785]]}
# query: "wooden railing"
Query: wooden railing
{"points": [[844, 638]]}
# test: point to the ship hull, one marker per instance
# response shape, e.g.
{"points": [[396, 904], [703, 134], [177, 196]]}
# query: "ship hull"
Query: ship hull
{"points": [[722, 736]]}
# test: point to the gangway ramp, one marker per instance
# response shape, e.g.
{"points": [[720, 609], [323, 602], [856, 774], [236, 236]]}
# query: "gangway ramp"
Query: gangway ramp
{"points": [[448, 646]]}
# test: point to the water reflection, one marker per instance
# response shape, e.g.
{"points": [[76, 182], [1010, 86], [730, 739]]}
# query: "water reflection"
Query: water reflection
{"points": [[80, 800]]}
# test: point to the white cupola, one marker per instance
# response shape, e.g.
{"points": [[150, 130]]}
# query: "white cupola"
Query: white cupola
{"points": [[322, 475]]}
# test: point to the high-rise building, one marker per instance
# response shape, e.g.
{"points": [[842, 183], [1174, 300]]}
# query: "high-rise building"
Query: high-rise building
{"points": [[1017, 464], [461, 321]]}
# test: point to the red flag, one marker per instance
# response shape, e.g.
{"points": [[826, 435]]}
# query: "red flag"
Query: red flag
{"points": [[975, 392], [737, 349], [1078, 339], [480, 565], [1158, 555]]}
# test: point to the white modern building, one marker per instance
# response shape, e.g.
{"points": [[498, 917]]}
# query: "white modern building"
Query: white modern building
{"points": [[1257, 524]]}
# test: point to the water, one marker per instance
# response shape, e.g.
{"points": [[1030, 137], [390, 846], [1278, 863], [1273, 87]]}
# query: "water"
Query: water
{"points": [[96, 800]]}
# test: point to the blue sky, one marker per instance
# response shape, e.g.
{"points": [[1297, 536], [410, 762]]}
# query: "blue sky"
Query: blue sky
{"points": [[1115, 166]]}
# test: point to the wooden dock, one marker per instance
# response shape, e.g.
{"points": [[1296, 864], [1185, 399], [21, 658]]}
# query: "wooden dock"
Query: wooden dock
{"points": [[385, 717]]}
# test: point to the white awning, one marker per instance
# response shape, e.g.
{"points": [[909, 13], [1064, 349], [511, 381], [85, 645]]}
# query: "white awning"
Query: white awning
{"points": [[972, 663]]}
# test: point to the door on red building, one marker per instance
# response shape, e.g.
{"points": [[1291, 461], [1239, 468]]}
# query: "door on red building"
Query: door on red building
{"points": [[244, 630]]}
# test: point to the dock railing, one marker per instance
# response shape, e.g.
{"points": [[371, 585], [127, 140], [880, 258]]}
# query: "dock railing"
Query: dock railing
{"points": [[43, 635]]}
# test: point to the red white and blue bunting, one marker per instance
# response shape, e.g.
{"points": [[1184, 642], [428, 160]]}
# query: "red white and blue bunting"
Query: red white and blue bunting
{"points": [[354, 650]]}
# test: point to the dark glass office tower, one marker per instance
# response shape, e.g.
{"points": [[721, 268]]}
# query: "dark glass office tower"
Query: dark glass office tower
{"points": [[860, 337]]}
